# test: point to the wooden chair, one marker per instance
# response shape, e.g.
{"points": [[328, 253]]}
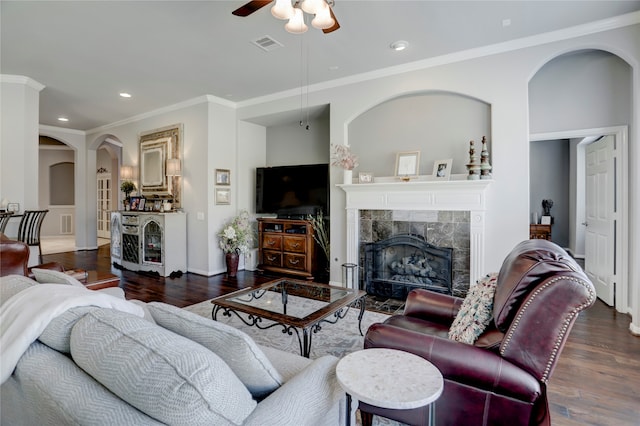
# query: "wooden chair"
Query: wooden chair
{"points": [[29, 228], [4, 219]]}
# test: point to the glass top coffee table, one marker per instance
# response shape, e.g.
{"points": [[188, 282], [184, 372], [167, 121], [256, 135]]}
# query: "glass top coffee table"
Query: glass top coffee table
{"points": [[292, 304]]}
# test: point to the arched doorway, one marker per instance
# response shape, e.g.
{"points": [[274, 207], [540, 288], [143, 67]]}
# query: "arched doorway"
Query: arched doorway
{"points": [[575, 100]]}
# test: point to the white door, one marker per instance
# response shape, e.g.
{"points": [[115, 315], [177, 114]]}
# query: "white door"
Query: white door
{"points": [[600, 211], [104, 205]]}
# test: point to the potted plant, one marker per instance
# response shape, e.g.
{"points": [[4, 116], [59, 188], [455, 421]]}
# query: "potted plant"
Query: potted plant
{"points": [[341, 156], [127, 187], [235, 238]]}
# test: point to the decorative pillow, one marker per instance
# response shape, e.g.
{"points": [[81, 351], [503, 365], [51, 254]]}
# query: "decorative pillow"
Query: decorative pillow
{"points": [[476, 311], [238, 350], [10, 285], [57, 335], [164, 375], [49, 276]]}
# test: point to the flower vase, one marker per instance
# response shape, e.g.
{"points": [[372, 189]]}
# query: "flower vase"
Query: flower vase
{"points": [[348, 177], [232, 263]]}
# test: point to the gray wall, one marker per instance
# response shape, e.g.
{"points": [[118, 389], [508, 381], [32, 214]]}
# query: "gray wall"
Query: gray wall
{"points": [[580, 90], [292, 144], [548, 162], [439, 125]]}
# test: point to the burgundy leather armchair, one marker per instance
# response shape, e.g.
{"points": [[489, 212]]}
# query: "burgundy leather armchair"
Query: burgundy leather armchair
{"points": [[14, 257], [502, 378]]}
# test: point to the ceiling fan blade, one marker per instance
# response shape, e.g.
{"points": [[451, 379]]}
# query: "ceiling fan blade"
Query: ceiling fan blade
{"points": [[335, 26], [249, 8]]}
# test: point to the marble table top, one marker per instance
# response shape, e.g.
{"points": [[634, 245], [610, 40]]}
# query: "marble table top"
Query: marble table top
{"points": [[389, 378]]}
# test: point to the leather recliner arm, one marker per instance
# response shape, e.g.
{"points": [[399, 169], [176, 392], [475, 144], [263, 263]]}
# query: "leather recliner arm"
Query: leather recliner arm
{"points": [[459, 362], [435, 307]]}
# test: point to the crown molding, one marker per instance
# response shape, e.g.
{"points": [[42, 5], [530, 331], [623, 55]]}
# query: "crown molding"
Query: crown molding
{"points": [[164, 110], [494, 49], [20, 79]]}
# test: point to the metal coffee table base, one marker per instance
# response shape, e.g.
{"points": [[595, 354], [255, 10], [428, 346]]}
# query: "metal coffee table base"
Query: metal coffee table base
{"points": [[305, 340]]}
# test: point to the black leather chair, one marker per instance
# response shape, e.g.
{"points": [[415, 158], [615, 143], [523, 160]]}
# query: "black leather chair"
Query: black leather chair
{"points": [[502, 378]]}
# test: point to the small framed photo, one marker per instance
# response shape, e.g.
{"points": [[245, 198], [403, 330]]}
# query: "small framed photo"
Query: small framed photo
{"points": [[157, 205], [442, 169], [141, 204], [545, 220], [13, 207], [365, 177], [134, 203], [223, 196], [408, 164], [223, 177]]}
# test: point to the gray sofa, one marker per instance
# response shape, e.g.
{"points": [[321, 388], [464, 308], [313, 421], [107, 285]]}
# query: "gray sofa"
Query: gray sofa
{"points": [[99, 366]]}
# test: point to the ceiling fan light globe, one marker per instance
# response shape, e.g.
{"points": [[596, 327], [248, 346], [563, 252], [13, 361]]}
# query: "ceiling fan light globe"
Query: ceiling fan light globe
{"points": [[296, 24], [323, 19], [313, 6], [282, 9]]}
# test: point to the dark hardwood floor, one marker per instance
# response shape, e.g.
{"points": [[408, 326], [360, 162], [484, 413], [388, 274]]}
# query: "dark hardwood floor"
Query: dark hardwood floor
{"points": [[596, 381]]}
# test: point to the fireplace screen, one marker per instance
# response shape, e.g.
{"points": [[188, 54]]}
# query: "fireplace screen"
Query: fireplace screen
{"points": [[395, 266]]}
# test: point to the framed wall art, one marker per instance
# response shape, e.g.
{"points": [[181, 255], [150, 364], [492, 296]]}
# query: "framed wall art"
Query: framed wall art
{"points": [[442, 169], [223, 196], [223, 177]]}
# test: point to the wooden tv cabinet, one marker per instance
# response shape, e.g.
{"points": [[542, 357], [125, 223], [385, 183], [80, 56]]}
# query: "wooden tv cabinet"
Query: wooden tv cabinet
{"points": [[287, 246]]}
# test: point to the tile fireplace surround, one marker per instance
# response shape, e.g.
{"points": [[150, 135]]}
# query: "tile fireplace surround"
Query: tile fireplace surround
{"points": [[419, 196]]}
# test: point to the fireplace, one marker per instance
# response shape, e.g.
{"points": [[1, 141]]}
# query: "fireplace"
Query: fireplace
{"points": [[395, 266], [418, 198]]}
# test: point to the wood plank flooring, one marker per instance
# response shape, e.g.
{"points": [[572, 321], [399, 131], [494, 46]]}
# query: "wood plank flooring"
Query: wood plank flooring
{"points": [[596, 381]]}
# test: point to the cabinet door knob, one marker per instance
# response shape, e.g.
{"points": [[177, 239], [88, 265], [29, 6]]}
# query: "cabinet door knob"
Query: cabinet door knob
{"points": [[271, 258], [295, 245], [294, 261], [270, 242]]}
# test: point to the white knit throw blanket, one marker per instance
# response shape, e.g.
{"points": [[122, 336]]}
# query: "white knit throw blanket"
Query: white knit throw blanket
{"points": [[25, 316]]}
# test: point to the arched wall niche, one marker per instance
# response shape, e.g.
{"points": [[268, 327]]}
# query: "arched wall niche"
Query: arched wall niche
{"points": [[439, 124]]}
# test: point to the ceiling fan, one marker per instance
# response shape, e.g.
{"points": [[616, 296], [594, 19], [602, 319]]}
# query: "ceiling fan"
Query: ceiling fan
{"points": [[322, 10]]}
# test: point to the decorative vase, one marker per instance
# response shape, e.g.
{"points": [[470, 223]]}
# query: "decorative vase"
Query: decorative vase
{"points": [[348, 177], [232, 263]]}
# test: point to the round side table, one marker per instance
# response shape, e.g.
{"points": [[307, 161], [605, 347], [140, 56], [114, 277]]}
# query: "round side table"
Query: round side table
{"points": [[389, 378]]}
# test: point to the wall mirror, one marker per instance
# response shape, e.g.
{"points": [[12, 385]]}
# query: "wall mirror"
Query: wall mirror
{"points": [[156, 147]]}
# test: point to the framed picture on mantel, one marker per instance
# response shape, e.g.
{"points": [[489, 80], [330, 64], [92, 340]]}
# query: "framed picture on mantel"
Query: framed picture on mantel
{"points": [[442, 169], [408, 164]]}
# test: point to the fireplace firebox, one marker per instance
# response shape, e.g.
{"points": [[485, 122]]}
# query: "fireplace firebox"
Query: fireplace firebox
{"points": [[395, 266]]}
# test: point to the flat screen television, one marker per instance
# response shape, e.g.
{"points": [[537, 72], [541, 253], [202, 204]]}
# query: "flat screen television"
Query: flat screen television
{"points": [[293, 191]]}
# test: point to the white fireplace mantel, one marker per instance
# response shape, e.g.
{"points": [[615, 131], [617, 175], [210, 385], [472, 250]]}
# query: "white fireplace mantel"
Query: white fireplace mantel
{"points": [[460, 195]]}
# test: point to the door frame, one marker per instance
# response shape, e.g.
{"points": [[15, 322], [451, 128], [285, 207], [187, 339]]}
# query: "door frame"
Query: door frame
{"points": [[621, 157]]}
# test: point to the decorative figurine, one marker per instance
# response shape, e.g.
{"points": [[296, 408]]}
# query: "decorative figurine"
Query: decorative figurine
{"points": [[473, 166], [485, 167]]}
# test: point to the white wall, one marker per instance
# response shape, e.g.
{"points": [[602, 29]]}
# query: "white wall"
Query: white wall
{"points": [[47, 158], [19, 113]]}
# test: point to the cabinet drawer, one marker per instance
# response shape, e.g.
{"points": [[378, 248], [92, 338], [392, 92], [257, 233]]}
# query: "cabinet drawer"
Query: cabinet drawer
{"points": [[272, 242], [295, 261], [271, 258], [295, 244]]}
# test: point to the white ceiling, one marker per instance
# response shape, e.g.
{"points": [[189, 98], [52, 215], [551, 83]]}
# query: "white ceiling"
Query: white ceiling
{"points": [[166, 52]]}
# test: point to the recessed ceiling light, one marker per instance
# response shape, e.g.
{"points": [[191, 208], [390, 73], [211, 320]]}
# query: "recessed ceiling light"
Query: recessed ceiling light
{"points": [[399, 45], [125, 95], [65, 119], [333, 68]]}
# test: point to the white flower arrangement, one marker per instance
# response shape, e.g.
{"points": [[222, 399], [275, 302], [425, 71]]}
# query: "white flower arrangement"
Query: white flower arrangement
{"points": [[341, 156], [236, 236]]}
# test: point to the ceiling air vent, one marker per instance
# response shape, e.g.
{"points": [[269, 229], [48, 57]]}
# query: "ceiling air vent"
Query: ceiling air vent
{"points": [[267, 44]]}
